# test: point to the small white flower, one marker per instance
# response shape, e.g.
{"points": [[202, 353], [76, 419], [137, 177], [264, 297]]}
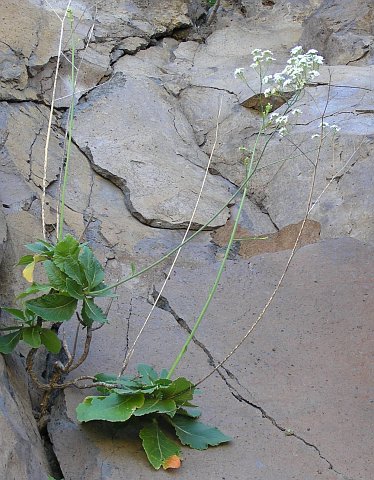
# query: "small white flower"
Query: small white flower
{"points": [[335, 128], [314, 74], [324, 124], [267, 79], [278, 78], [267, 92], [315, 135], [283, 131], [239, 72], [297, 50], [287, 82], [296, 111]]}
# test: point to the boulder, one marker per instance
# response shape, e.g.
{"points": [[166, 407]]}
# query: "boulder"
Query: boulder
{"points": [[342, 31], [22, 454]]}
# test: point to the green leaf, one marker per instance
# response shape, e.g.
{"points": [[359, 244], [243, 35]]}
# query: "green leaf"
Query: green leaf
{"points": [[25, 260], [146, 389], [147, 374], [152, 405], [56, 277], [9, 342], [31, 335], [158, 447], [15, 312], [196, 434], [66, 258], [74, 289], [53, 307], [124, 382], [192, 412], [35, 288], [112, 378], [30, 317], [92, 268], [40, 247], [181, 390], [92, 312], [111, 408], [164, 374], [163, 382], [50, 340]]}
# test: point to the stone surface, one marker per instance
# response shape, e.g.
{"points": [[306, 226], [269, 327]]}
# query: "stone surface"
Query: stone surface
{"points": [[3, 234], [308, 363], [22, 453], [152, 156], [342, 32], [306, 325], [153, 83], [111, 454]]}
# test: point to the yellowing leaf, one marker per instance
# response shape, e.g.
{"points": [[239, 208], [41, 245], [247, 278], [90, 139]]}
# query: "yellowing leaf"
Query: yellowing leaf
{"points": [[28, 272], [172, 462]]}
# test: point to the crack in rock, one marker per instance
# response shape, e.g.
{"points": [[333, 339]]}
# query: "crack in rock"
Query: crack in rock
{"points": [[164, 304], [266, 415]]}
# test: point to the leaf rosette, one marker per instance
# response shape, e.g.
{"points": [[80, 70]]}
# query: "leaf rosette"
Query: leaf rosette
{"points": [[155, 403]]}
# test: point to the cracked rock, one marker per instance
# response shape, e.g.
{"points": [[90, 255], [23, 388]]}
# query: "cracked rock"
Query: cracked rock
{"points": [[3, 234], [342, 32], [22, 452], [307, 363], [146, 146]]}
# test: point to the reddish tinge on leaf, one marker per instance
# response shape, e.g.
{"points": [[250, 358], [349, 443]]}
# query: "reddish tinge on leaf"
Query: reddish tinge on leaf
{"points": [[172, 462]]}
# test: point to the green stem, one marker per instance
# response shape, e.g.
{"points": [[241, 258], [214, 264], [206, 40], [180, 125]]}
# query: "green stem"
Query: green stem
{"points": [[212, 291], [70, 133]]}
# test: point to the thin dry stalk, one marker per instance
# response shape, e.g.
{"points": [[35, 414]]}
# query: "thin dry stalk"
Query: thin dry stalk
{"points": [[46, 148]]}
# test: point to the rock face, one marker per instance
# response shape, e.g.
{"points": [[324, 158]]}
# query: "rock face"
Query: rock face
{"points": [[156, 101], [22, 452], [342, 32], [285, 378], [3, 234]]}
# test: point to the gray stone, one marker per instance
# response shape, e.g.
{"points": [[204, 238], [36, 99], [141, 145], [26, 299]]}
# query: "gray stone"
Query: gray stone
{"points": [[22, 453], [112, 453], [307, 363], [3, 234], [341, 31], [282, 414], [22, 163], [147, 147], [28, 46]]}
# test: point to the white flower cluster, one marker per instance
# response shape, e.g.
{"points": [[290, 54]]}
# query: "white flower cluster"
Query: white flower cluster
{"points": [[261, 58], [279, 122], [333, 128], [301, 69]]}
